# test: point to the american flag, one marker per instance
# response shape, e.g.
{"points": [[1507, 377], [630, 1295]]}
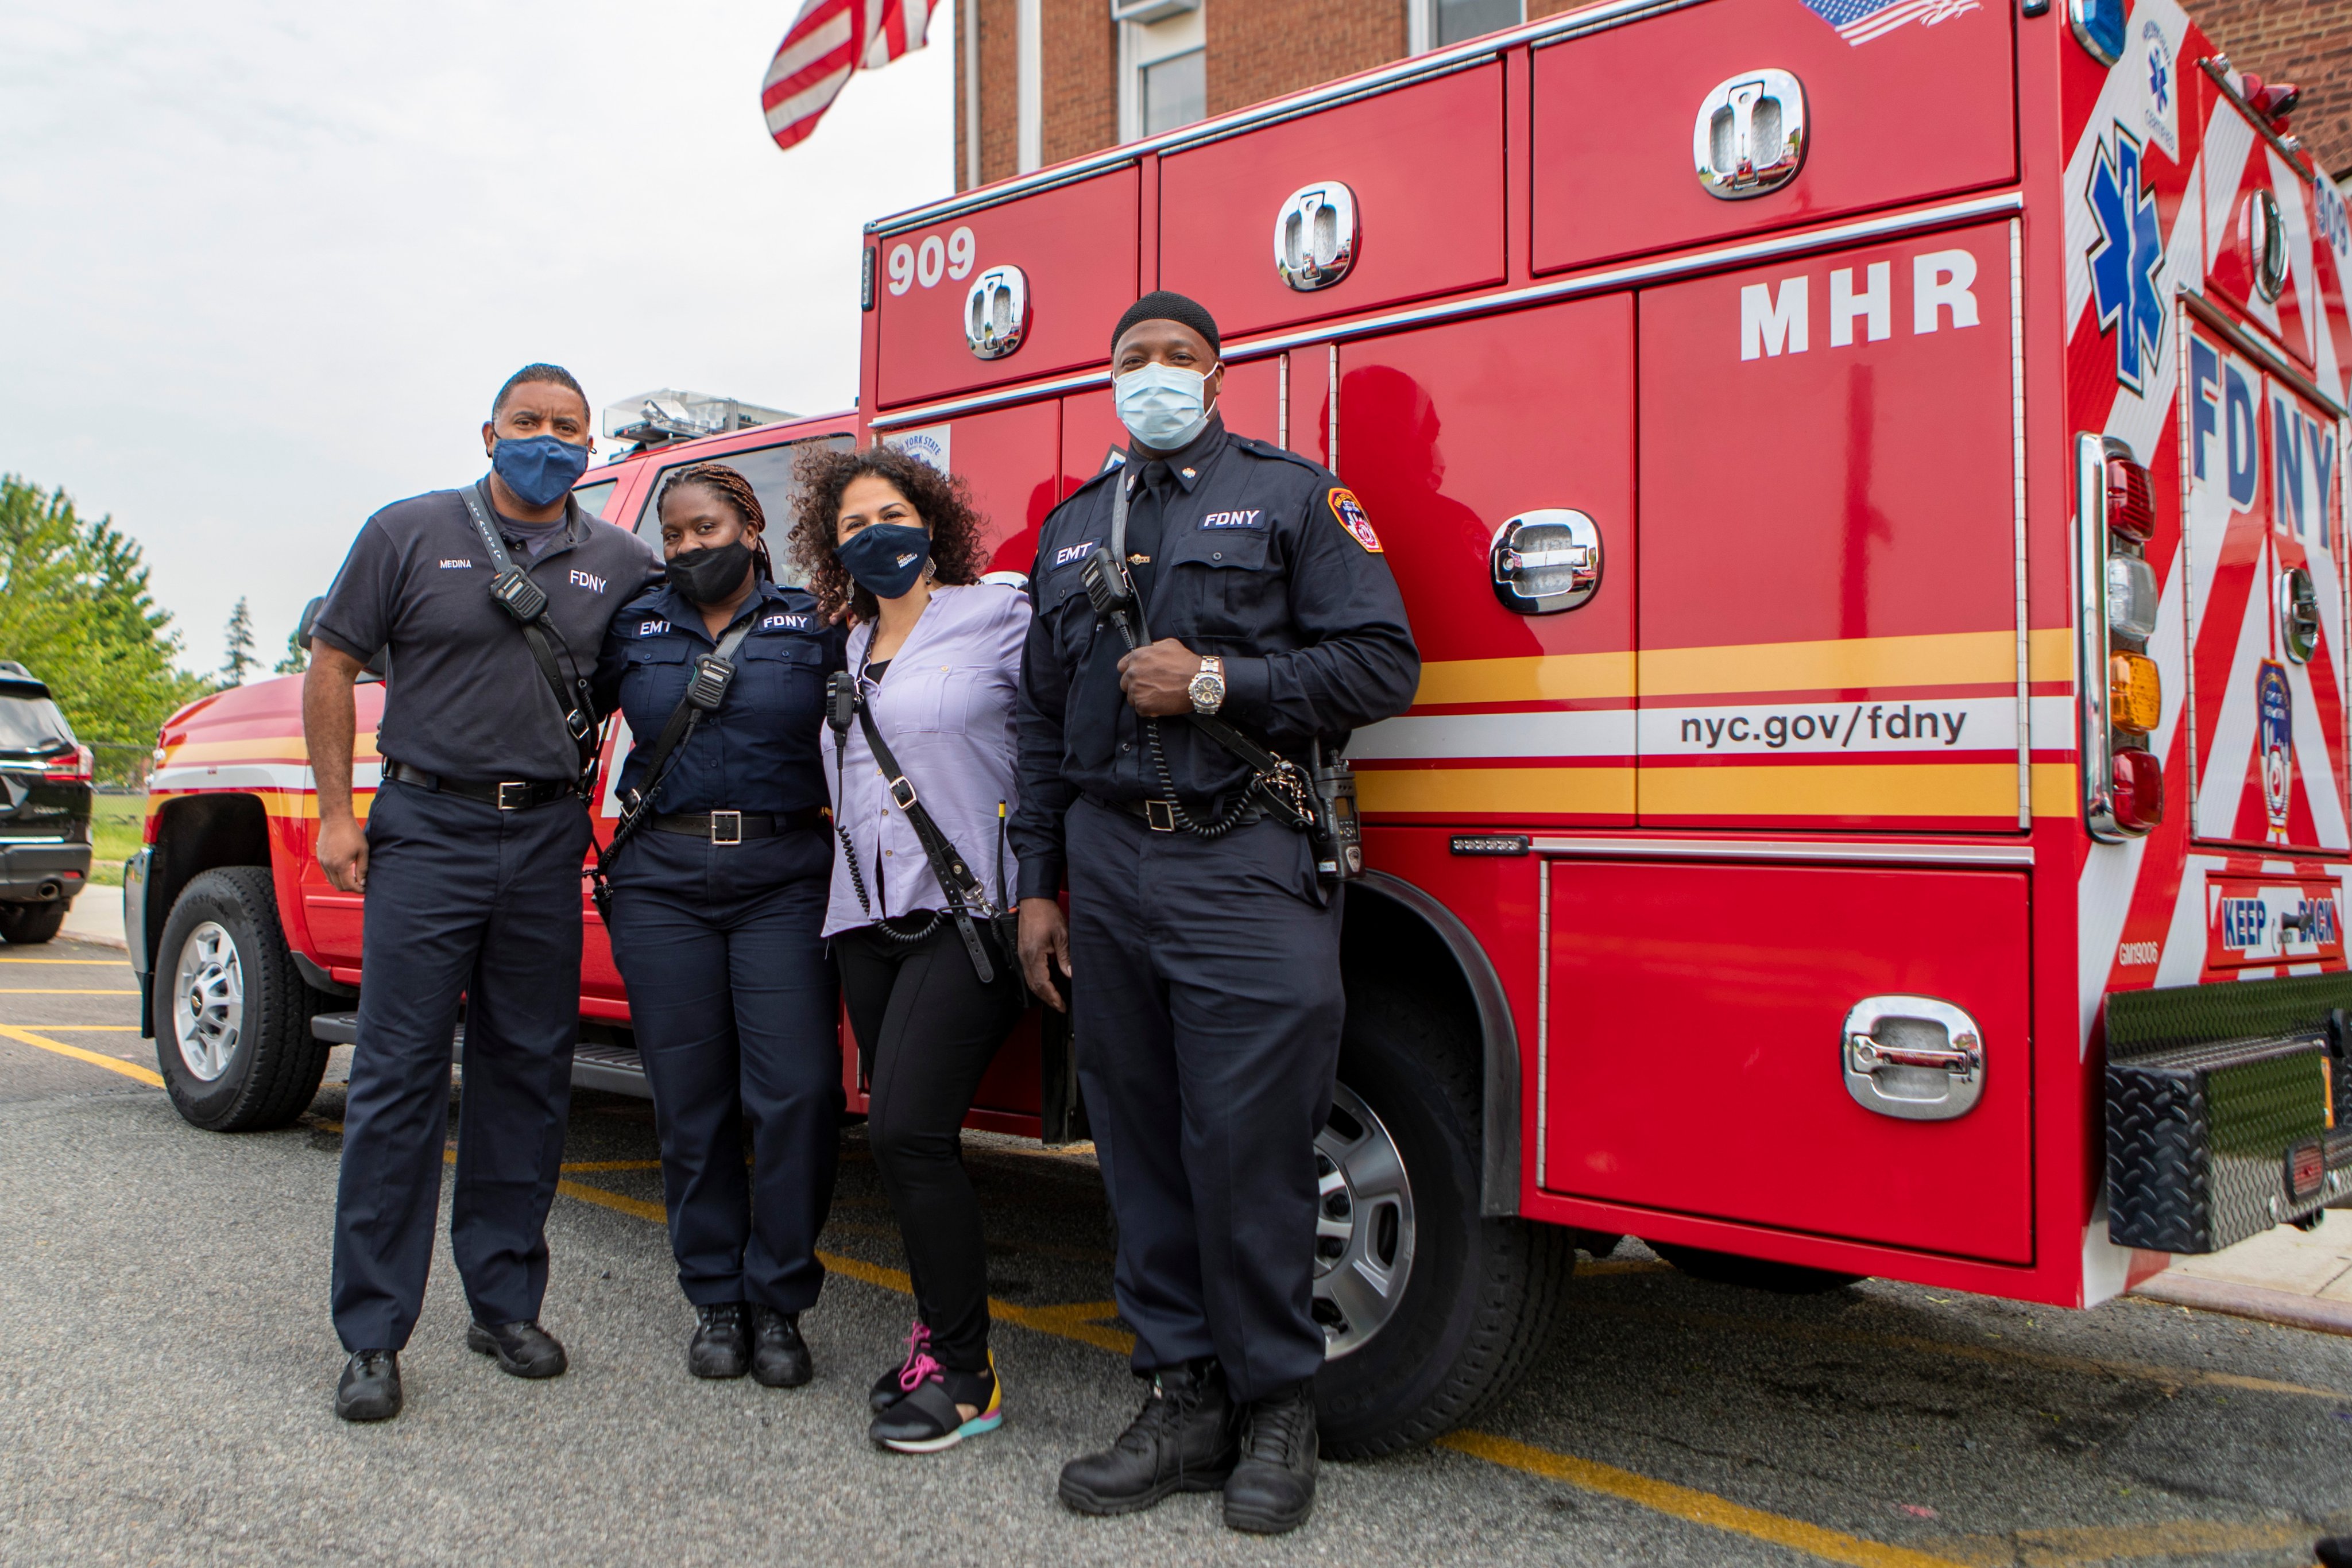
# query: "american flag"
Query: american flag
{"points": [[1859, 21], [830, 39]]}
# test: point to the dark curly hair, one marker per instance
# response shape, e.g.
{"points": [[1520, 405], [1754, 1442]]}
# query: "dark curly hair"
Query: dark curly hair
{"points": [[731, 487], [943, 501]]}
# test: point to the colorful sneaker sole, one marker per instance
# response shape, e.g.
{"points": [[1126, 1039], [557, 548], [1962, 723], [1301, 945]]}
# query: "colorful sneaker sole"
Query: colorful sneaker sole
{"points": [[974, 1427]]}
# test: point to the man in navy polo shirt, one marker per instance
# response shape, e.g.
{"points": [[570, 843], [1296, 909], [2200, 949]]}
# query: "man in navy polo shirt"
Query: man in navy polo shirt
{"points": [[469, 862]]}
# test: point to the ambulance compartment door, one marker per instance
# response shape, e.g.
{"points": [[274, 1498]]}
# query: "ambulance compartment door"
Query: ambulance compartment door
{"points": [[2265, 611], [1839, 1051], [1829, 537], [1492, 462]]}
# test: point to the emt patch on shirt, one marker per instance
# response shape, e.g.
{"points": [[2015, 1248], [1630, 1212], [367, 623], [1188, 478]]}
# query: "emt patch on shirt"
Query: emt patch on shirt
{"points": [[1253, 519], [1069, 553], [1350, 512]]}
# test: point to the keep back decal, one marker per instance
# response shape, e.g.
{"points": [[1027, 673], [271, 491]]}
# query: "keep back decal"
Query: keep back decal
{"points": [[1350, 512]]}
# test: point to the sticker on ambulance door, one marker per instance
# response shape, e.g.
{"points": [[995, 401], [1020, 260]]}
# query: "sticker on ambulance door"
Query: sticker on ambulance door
{"points": [[2258, 920], [2274, 708]]}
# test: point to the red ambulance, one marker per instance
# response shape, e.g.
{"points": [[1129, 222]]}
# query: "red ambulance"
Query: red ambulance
{"points": [[1867, 480]]}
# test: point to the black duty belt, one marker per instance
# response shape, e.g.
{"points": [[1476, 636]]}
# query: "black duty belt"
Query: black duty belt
{"points": [[734, 827], [506, 795], [1160, 816]]}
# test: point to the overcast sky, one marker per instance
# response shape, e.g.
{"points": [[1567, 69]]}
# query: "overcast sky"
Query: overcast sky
{"points": [[262, 265]]}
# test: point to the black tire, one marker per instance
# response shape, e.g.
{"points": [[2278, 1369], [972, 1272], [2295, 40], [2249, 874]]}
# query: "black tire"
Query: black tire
{"points": [[26, 924], [1751, 1273], [270, 1074], [1481, 1294]]}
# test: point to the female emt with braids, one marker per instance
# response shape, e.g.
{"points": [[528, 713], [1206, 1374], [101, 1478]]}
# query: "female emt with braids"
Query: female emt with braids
{"points": [[717, 895], [935, 657]]}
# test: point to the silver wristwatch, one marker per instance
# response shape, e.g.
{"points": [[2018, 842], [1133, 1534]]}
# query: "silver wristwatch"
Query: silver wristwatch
{"points": [[1208, 688]]}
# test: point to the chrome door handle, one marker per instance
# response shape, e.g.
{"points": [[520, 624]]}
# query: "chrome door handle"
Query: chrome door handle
{"points": [[1916, 1059], [1545, 561]]}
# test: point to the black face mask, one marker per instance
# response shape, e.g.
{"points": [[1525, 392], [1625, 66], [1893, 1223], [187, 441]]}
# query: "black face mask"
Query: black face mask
{"points": [[711, 576]]}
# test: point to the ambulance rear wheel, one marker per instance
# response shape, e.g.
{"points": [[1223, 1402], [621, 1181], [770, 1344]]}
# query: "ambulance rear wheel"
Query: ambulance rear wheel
{"points": [[1753, 1273], [231, 1013], [1430, 1310]]}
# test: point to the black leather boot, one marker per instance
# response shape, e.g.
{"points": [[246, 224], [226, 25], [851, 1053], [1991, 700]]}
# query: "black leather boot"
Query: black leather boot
{"points": [[1181, 1440], [1273, 1487], [780, 1357], [524, 1350], [370, 1390], [2335, 1551], [721, 1345]]}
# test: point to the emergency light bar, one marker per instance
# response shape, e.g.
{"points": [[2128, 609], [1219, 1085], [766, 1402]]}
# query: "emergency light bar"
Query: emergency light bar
{"points": [[665, 413]]}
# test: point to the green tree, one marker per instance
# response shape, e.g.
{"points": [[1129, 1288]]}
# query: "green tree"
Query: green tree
{"points": [[298, 657], [75, 610], [240, 659]]}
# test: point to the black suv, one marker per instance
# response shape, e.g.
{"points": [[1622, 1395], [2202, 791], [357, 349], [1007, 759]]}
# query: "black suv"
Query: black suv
{"points": [[45, 792]]}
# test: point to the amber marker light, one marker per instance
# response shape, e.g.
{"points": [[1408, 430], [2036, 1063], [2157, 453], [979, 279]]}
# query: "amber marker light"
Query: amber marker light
{"points": [[2135, 693]]}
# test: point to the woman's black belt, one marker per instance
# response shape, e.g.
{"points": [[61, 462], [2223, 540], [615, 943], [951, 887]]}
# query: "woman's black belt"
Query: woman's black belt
{"points": [[734, 827], [510, 795]]}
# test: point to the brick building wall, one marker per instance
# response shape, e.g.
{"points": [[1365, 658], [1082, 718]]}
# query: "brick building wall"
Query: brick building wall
{"points": [[1263, 49], [2307, 42], [1080, 79]]}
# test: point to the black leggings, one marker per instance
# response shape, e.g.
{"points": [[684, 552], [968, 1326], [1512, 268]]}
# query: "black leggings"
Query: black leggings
{"points": [[931, 1028]]}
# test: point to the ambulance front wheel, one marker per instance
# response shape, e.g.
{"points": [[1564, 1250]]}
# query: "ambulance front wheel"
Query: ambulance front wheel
{"points": [[1429, 1309]]}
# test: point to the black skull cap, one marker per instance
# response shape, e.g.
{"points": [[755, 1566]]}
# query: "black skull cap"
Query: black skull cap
{"points": [[1167, 304]]}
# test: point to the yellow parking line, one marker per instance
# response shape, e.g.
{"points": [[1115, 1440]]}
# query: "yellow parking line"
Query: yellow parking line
{"points": [[2171, 1376], [49, 991], [613, 1165], [89, 1028], [116, 963], [111, 1064], [2083, 1546], [1689, 1502]]}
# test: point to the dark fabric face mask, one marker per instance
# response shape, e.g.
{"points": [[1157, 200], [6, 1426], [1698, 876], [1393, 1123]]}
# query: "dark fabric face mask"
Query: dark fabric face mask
{"points": [[885, 559], [538, 469], [709, 576]]}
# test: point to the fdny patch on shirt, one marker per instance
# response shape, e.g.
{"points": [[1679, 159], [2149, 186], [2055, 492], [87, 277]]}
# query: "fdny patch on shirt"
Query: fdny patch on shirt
{"points": [[1068, 554], [1253, 519], [790, 622], [1350, 512]]}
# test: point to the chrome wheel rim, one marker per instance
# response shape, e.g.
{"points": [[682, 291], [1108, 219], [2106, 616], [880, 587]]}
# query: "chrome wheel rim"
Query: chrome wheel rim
{"points": [[208, 1001], [1363, 1226]]}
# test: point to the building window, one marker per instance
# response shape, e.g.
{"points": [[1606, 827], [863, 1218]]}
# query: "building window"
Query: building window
{"points": [[1174, 91], [1163, 68], [1437, 23]]}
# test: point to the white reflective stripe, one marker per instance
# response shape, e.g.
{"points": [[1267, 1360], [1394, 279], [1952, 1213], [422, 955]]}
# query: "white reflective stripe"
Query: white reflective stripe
{"points": [[1608, 732], [289, 776]]}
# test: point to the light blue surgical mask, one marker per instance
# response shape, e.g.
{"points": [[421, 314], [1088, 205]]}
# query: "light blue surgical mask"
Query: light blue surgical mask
{"points": [[1162, 405]]}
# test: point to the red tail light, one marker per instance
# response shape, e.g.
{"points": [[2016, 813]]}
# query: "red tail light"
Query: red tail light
{"points": [[2131, 500], [2139, 791], [75, 766]]}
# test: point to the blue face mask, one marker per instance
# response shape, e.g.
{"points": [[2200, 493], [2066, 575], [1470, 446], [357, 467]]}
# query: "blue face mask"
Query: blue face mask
{"points": [[538, 469], [1162, 405], [885, 559]]}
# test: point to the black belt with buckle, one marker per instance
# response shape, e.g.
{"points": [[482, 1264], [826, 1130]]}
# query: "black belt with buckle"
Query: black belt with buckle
{"points": [[734, 827], [506, 795], [1160, 816]]}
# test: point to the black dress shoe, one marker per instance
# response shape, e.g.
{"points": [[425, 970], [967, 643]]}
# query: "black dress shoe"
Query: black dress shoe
{"points": [[1272, 1489], [2335, 1551], [721, 1345], [524, 1350], [370, 1390], [1181, 1440], [780, 1357]]}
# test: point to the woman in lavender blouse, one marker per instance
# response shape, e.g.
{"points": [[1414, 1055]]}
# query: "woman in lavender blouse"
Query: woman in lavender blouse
{"points": [[936, 657]]}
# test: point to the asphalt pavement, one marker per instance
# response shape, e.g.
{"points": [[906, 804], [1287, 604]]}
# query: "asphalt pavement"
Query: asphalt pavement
{"points": [[166, 1366]]}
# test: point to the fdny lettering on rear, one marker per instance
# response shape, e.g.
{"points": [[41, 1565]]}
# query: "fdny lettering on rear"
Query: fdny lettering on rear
{"points": [[589, 581], [1253, 519], [1777, 318], [1069, 553]]}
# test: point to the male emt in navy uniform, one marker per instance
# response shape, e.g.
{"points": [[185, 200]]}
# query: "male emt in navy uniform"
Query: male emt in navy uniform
{"points": [[470, 864], [1206, 967]]}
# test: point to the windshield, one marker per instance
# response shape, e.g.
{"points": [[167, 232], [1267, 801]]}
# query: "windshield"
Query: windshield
{"points": [[31, 724], [769, 470]]}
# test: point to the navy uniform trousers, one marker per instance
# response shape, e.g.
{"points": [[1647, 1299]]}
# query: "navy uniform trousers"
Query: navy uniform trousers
{"points": [[463, 900], [1206, 983], [732, 1000]]}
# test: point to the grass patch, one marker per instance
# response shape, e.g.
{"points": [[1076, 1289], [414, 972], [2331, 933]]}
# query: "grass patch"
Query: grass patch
{"points": [[116, 822]]}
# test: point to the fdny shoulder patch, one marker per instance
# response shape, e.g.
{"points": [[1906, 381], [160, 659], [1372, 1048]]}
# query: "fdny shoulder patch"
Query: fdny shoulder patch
{"points": [[1350, 512]]}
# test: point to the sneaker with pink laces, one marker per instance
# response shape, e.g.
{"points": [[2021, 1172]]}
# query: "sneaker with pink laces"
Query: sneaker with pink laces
{"points": [[894, 1385]]}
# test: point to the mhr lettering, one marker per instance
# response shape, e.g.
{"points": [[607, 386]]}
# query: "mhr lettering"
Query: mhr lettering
{"points": [[1775, 321]]}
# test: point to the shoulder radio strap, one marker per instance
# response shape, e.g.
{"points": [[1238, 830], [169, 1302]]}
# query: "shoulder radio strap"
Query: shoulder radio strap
{"points": [[524, 600], [639, 807], [963, 890]]}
